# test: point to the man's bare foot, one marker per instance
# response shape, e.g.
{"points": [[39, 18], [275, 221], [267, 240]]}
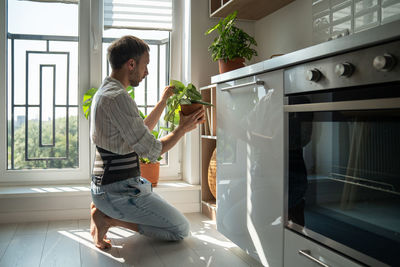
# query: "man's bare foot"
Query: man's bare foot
{"points": [[92, 206], [99, 225]]}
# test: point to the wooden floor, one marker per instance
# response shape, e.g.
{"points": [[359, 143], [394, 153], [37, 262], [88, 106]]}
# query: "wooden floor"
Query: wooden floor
{"points": [[69, 244]]}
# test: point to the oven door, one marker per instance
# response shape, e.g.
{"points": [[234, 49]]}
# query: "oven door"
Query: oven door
{"points": [[343, 171]]}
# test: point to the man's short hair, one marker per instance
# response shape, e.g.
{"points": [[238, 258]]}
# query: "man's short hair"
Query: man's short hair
{"points": [[125, 48]]}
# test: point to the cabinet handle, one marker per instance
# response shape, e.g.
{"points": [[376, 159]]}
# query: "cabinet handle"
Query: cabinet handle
{"points": [[307, 253], [243, 85]]}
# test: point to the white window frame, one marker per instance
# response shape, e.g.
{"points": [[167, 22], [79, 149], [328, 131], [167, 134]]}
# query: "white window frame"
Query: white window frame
{"points": [[50, 176], [90, 56], [171, 171]]}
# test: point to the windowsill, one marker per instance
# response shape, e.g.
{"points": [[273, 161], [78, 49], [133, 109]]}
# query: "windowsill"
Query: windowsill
{"points": [[175, 186], [45, 190], [81, 189]]}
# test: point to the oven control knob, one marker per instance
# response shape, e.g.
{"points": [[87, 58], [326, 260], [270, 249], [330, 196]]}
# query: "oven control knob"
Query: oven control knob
{"points": [[384, 63], [345, 69], [313, 75]]}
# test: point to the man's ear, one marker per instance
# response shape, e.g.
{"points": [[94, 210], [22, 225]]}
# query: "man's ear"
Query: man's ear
{"points": [[131, 63]]}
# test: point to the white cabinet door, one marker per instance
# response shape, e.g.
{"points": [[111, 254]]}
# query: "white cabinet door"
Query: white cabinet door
{"points": [[250, 165], [301, 252]]}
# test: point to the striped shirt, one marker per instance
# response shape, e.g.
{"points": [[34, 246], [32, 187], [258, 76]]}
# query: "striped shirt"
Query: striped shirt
{"points": [[116, 125]]}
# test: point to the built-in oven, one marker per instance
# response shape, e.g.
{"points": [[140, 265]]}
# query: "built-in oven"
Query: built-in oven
{"points": [[343, 152]]}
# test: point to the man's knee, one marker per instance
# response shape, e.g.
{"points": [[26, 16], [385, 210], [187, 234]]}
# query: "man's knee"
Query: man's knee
{"points": [[182, 230]]}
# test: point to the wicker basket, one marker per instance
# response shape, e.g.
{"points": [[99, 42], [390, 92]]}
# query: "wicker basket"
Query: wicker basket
{"points": [[212, 174]]}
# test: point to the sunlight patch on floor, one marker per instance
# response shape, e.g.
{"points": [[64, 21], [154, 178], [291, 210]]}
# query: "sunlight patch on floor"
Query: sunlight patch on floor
{"points": [[122, 233], [212, 240], [82, 237]]}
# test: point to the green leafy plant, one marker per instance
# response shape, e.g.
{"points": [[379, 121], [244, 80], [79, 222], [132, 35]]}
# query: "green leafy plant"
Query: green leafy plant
{"points": [[183, 95], [88, 97], [87, 103], [232, 42]]}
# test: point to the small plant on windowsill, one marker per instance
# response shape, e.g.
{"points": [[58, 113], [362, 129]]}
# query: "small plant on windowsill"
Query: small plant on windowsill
{"points": [[185, 98], [149, 170]]}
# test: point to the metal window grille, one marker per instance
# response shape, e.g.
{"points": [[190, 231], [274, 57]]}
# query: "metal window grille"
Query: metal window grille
{"points": [[47, 153]]}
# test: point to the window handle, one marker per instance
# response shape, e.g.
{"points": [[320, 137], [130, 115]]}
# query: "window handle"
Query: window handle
{"points": [[307, 253], [242, 85]]}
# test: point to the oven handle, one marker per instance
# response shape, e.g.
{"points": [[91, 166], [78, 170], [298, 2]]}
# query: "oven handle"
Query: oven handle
{"points": [[383, 103], [242, 85], [307, 253]]}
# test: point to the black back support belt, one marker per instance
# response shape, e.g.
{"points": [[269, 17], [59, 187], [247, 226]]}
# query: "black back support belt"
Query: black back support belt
{"points": [[110, 167]]}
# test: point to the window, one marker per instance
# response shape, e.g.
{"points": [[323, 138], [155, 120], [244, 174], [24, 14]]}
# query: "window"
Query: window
{"points": [[44, 131], [48, 67]]}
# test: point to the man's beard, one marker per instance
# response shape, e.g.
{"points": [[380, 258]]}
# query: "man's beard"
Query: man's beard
{"points": [[133, 83], [132, 79]]}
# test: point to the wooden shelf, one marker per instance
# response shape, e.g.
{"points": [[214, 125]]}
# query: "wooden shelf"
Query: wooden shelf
{"points": [[209, 136], [207, 87], [247, 9], [209, 208], [208, 143]]}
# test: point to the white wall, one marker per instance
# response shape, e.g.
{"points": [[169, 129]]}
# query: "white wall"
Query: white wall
{"points": [[201, 68], [284, 31], [201, 62]]}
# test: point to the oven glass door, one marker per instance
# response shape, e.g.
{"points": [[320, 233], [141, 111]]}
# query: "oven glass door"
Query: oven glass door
{"points": [[344, 175]]}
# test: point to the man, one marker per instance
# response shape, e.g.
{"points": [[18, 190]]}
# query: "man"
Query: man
{"points": [[120, 196]]}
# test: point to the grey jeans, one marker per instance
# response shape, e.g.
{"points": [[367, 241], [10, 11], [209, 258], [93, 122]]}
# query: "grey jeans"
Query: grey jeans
{"points": [[132, 200]]}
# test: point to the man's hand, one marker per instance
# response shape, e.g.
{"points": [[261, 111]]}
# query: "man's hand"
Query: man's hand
{"points": [[186, 124], [189, 122], [168, 91]]}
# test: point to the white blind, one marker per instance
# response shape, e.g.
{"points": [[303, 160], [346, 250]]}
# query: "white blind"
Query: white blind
{"points": [[138, 14]]}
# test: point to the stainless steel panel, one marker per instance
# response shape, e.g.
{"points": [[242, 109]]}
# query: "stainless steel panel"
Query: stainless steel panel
{"points": [[295, 78]]}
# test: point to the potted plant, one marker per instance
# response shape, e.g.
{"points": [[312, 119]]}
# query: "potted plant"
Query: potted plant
{"points": [[149, 170], [232, 45], [185, 98]]}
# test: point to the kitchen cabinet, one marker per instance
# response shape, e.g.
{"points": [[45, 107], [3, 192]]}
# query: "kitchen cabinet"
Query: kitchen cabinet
{"points": [[247, 9], [250, 164], [301, 252], [208, 140]]}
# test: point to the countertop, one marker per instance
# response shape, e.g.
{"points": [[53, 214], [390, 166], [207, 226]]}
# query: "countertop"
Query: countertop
{"points": [[380, 34]]}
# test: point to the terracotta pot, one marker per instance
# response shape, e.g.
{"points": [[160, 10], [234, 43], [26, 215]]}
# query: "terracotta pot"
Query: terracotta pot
{"points": [[150, 171], [234, 64], [190, 108]]}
